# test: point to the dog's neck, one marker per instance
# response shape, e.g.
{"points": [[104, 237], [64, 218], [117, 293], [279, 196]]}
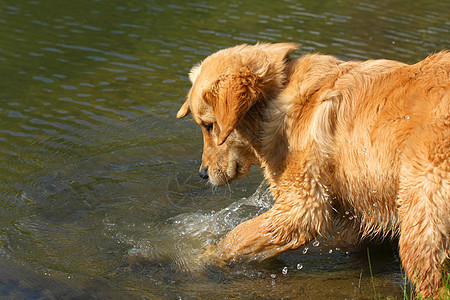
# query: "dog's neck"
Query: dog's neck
{"points": [[264, 128], [270, 125]]}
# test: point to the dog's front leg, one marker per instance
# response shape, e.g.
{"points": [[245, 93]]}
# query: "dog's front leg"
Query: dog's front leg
{"points": [[295, 219]]}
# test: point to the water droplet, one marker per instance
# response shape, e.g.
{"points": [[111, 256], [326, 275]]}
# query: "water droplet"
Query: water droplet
{"points": [[374, 191], [407, 117], [305, 250], [338, 249], [331, 251], [365, 151], [284, 271], [347, 212], [316, 243], [273, 276], [326, 155], [299, 266]]}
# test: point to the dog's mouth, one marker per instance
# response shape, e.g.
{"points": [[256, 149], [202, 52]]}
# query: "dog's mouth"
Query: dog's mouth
{"points": [[241, 170], [221, 177]]}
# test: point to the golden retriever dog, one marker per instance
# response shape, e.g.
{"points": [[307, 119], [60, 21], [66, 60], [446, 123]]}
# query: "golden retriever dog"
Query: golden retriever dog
{"points": [[367, 137]]}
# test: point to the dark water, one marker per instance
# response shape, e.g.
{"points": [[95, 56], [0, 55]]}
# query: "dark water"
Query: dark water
{"points": [[99, 193]]}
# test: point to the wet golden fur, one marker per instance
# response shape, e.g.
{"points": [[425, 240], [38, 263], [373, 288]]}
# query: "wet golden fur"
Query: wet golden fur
{"points": [[371, 139]]}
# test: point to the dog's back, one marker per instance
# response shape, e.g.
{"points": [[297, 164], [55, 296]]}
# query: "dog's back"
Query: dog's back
{"points": [[381, 131], [392, 159], [368, 120], [386, 114]]}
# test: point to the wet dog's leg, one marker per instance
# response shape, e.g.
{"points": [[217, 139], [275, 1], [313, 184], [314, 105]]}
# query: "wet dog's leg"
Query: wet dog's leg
{"points": [[302, 211], [424, 211]]}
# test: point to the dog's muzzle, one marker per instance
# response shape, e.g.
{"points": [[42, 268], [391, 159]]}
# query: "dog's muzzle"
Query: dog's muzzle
{"points": [[203, 173]]}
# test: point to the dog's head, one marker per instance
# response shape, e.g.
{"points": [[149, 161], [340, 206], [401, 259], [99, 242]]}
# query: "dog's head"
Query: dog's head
{"points": [[225, 87]]}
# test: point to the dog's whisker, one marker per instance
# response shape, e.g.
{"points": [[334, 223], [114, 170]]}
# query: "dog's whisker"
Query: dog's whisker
{"points": [[228, 185], [214, 189]]}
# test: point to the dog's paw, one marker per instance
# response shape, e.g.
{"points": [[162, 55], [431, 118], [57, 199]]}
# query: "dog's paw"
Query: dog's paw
{"points": [[251, 241]]}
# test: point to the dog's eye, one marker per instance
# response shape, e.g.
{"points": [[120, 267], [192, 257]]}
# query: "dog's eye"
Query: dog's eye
{"points": [[209, 127]]}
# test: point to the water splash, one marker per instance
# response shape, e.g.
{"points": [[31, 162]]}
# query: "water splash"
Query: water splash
{"points": [[186, 240]]}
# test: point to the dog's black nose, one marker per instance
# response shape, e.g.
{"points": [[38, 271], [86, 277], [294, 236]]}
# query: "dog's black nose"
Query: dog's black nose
{"points": [[203, 173]]}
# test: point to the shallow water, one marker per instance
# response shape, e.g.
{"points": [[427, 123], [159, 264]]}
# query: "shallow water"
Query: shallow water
{"points": [[99, 192]]}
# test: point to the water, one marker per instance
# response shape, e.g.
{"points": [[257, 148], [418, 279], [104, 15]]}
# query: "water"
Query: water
{"points": [[99, 192]]}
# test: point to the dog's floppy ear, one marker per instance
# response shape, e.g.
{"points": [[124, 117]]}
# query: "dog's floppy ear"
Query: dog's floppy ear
{"points": [[232, 97], [260, 74], [184, 110], [193, 75]]}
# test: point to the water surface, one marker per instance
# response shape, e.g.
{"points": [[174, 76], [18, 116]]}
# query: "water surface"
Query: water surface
{"points": [[99, 192]]}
